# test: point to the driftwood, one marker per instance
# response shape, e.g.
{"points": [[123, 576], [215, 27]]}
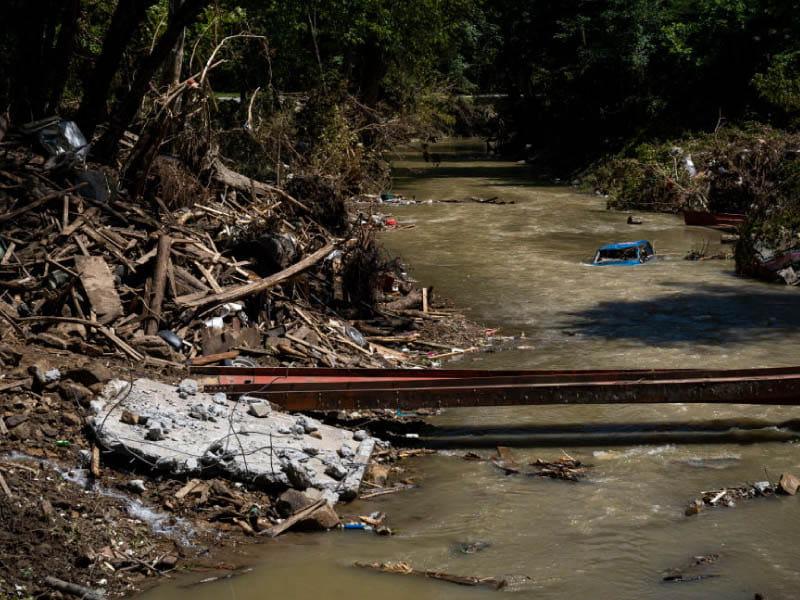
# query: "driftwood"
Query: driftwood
{"points": [[73, 589], [403, 568], [301, 514], [241, 182], [235, 293]]}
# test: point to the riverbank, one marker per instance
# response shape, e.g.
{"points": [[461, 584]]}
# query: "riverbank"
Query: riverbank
{"points": [[235, 271]]}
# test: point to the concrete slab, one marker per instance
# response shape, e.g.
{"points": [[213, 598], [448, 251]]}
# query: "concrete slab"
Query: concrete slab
{"points": [[186, 433]]}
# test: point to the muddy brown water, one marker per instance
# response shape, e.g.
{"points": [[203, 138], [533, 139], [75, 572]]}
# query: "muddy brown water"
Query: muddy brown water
{"points": [[518, 267]]}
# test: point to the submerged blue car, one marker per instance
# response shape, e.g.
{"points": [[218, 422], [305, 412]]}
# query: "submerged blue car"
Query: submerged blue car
{"points": [[624, 254]]}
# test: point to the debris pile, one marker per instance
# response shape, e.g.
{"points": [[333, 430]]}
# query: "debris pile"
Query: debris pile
{"points": [[728, 497], [240, 269]]}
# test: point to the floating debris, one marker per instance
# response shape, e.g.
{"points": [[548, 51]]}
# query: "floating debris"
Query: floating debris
{"points": [[403, 568], [694, 571]]}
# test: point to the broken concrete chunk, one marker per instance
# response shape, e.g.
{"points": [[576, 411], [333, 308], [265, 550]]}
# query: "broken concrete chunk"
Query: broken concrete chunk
{"points": [[52, 375], [297, 474], [98, 283], [308, 424], [188, 386], [336, 470], [155, 434], [259, 409]]}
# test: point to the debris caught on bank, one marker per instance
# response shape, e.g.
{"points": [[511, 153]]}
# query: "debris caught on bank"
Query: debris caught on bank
{"points": [[245, 270], [403, 568]]}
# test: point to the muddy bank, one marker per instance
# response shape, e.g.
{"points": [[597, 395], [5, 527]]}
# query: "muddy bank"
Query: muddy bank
{"points": [[80, 471]]}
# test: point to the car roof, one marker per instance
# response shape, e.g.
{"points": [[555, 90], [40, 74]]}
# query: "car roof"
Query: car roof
{"points": [[623, 245]]}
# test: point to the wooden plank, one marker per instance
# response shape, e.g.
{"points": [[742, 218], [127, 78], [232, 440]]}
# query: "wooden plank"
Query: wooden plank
{"points": [[210, 359], [301, 514], [98, 283]]}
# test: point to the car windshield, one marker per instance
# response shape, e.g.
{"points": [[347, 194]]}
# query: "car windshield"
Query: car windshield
{"points": [[617, 254]]}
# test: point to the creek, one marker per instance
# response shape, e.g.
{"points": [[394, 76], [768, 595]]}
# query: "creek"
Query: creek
{"points": [[519, 267]]}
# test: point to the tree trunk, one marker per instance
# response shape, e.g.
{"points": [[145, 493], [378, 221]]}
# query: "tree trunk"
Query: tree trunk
{"points": [[62, 53], [172, 71], [126, 109], [32, 27], [125, 22]]}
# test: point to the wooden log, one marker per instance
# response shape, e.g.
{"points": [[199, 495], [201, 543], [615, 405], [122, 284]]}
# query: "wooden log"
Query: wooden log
{"points": [[159, 283], [412, 300], [234, 293], [73, 589], [246, 184]]}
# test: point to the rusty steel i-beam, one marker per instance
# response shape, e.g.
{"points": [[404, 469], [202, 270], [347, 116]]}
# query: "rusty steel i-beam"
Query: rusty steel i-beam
{"points": [[352, 389]]}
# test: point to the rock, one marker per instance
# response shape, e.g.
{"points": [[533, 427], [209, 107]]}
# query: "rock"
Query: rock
{"points": [[21, 432], [789, 484], [52, 375], [90, 375], [188, 386], [297, 475], [70, 418], [336, 470], [360, 435], [259, 409], [322, 518], [49, 431], [220, 398], [137, 485], [198, 411], [131, 418], [311, 450], [155, 434], [290, 501], [15, 420], [169, 561], [316, 435], [346, 451], [75, 392]]}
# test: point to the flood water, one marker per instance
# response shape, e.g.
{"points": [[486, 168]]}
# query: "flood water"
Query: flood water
{"points": [[518, 267]]}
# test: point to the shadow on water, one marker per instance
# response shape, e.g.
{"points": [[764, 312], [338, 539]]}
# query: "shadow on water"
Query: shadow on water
{"points": [[714, 431], [710, 314]]}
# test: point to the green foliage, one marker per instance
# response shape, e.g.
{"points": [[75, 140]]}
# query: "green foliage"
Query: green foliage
{"points": [[780, 84]]}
